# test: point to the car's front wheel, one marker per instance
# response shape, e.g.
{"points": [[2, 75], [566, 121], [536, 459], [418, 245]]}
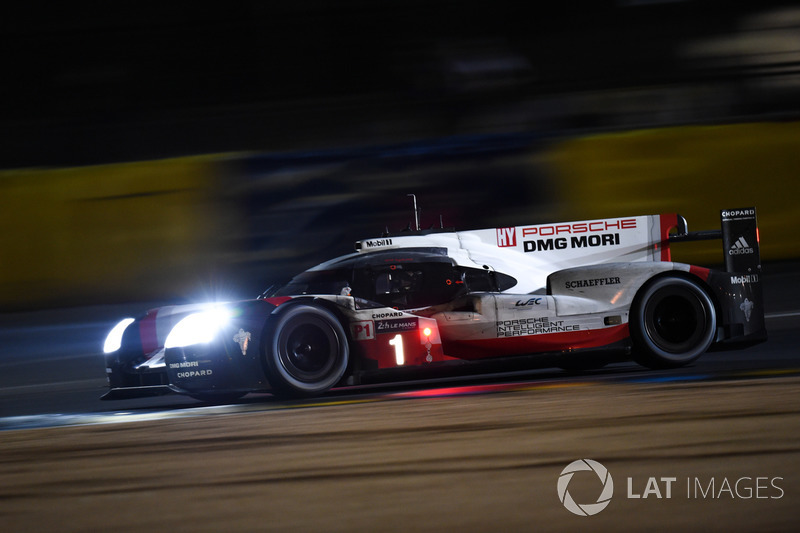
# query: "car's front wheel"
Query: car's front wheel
{"points": [[673, 322], [307, 351]]}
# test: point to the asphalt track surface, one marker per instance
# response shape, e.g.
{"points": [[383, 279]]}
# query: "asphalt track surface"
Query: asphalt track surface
{"points": [[714, 446]]}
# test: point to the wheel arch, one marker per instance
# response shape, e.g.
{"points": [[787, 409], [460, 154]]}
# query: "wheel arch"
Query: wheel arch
{"points": [[641, 341], [271, 322], [687, 275]]}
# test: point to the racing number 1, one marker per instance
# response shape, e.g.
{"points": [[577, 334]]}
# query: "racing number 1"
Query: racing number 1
{"points": [[397, 342]]}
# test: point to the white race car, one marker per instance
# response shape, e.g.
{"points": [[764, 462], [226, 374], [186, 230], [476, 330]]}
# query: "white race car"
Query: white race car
{"points": [[587, 292]]}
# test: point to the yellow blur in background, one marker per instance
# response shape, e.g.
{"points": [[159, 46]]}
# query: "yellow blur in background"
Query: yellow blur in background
{"points": [[693, 170], [103, 233], [155, 230]]}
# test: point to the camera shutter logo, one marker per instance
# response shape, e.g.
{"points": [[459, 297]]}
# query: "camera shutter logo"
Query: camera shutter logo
{"points": [[587, 509]]}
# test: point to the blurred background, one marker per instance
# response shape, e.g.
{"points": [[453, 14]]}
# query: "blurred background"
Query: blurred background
{"points": [[182, 151]]}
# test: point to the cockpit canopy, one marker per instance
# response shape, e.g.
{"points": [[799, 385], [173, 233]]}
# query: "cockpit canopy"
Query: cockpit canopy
{"points": [[403, 279]]}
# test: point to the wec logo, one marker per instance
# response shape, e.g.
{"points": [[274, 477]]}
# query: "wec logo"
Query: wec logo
{"points": [[586, 509]]}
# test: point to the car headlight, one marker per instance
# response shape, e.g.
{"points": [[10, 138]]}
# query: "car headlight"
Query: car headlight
{"points": [[197, 328], [114, 338]]}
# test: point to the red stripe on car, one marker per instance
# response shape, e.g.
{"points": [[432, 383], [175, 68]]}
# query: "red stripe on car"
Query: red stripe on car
{"points": [[148, 333], [669, 222], [278, 300], [700, 272]]}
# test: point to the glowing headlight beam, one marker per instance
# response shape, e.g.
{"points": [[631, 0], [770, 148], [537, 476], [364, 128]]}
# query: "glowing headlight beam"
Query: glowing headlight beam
{"points": [[114, 338], [197, 328]]}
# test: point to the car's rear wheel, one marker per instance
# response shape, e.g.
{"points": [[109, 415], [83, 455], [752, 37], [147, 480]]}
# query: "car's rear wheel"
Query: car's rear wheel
{"points": [[307, 351], [673, 322]]}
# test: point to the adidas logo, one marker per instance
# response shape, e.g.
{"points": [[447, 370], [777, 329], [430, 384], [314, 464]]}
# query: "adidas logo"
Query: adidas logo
{"points": [[740, 247]]}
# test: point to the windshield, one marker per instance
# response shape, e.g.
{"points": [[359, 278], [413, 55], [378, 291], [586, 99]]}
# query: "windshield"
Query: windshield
{"points": [[317, 282]]}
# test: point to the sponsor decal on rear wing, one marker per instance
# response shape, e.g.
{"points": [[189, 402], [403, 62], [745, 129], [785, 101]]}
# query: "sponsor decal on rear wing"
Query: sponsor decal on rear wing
{"points": [[740, 239]]}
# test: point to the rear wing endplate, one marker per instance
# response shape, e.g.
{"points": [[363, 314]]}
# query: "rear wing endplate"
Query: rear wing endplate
{"points": [[740, 239]]}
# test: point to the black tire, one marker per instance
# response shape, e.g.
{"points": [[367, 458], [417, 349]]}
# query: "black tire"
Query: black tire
{"points": [[307, 351], [673, 322]]}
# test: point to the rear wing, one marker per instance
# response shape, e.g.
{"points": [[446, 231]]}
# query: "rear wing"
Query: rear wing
{"points": [[740, 239], [739, 288]]}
